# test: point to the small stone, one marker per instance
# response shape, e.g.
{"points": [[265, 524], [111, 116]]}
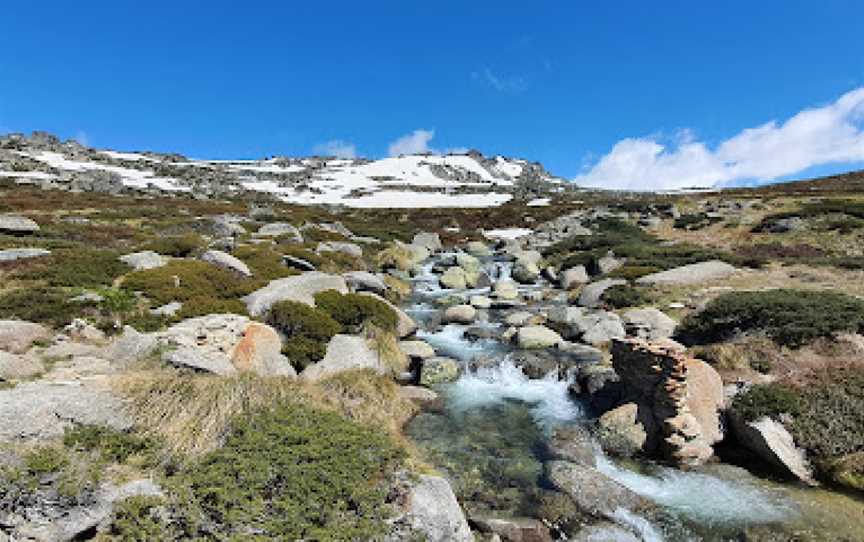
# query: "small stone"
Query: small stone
{"points": [[141, 261], [226, 261]]}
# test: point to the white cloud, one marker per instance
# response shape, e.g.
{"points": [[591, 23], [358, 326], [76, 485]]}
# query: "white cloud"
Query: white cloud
{"points": [[337, 148], [824, 135], [500, 83], [417, 142]]}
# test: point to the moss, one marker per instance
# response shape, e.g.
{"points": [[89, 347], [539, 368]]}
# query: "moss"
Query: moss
{"points": [[789, 317], [354, 310], [622, 296], [177, 246], [307, 331], [291, 473]]}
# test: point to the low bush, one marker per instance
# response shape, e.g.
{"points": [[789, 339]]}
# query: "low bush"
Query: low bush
{"points": [[188, 279], [202, 306], [354, 310], [140, 519], [82, 268], [307, 331], [177, 246], [264, 262], [622, 296], [44, 305], [770, 400], [789, 317], [695, 221], [112, 445]]}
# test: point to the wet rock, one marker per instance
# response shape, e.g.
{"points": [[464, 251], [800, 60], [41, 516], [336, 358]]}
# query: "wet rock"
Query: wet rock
{"points": [[15, 254], [594, 327], [434, 511], [537, 337], [42, 410], [574, 444], [476, 333], [17, 336], [591, 293], [17, 224], [454, 278], [480, 302], [525, 272], [679, 398], [477, 248], [520, 318], [690, 274], [225, 344], [437, 370], [649, 323], [459, 314], [593, 492], [349, 249], [513, 529], [345, 353], [430, 241], [601, 384], [773, 443], [604, 531], [575, 276], [301, 288], [147, 259], [505, 289], [226, 261], [620, 432], [417, 349]]}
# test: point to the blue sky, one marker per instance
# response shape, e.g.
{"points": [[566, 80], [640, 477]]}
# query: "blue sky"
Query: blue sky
{"points": [[558, 82]]}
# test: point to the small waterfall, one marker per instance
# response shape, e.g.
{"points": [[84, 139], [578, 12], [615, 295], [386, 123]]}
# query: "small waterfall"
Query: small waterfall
{"points": [[450, 341]]}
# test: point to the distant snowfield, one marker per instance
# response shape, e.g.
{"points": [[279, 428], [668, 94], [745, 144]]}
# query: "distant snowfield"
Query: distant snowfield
{"points": [[387, 183], [507, 234]]}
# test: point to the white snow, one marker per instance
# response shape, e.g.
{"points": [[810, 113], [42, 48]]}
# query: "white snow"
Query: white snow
{"points": [[508, 233], [131, 177], [507, 167], [27, 174], [539, 202], [127, 156]]}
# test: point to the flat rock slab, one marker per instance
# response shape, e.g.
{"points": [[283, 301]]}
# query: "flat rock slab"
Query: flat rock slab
{"points": [[15, 254], [301, 288], [17, 224], [43, 410], [434, 511], [17, 336], [694, 273], [141, 261], [344, 353], [226, 261]]}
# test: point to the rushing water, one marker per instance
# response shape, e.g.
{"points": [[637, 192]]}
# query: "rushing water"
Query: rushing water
{"points": [[489, 439]]}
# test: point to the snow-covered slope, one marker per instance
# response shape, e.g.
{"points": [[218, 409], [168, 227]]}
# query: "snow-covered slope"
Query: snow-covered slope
{"points": [[455, 180]]}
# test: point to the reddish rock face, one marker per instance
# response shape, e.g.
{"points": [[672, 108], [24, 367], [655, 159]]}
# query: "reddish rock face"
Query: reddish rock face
{"points": [[679, 397], [258, 351]]}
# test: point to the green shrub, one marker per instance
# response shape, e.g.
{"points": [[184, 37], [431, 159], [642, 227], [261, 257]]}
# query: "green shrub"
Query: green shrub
{"points": [[202, 306], [44, 305], [696, 221], [177, 246], [766, 400], [354, 310], [81, 268], [789, 317], [112, 445], [45, 460], [622, 296], [829, 424], [307, 331], [264, 262], [293, 473], [186, 280], [138, 519]]}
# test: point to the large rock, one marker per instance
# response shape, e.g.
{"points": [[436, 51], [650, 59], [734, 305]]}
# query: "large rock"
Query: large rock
{"points": [[773, 443], [593, 492], [505, 289], [301, 288], [690, 274], [226, 261], [364, 281], [430, 241], [649, 323], [132, 346], [513, 529], [478, 248], [280, 229], [349, 249], [605, 531], [225, 344], [405, 325], [17, 336], [526, 272], [147, 259], [43, 410], [459, 314], [575, 276], [454, 278], [345, 353], [15, 254], [620, 432], [434, 512], [17, 224], [679, 398], [417, 349], [437, 370], [18, 367], [537, 337], [591, 293], [594, 327], [574, 444]]}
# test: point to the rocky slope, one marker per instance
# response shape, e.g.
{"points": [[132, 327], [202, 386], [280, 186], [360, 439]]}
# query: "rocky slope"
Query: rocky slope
{"points": [[453, 180]]}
